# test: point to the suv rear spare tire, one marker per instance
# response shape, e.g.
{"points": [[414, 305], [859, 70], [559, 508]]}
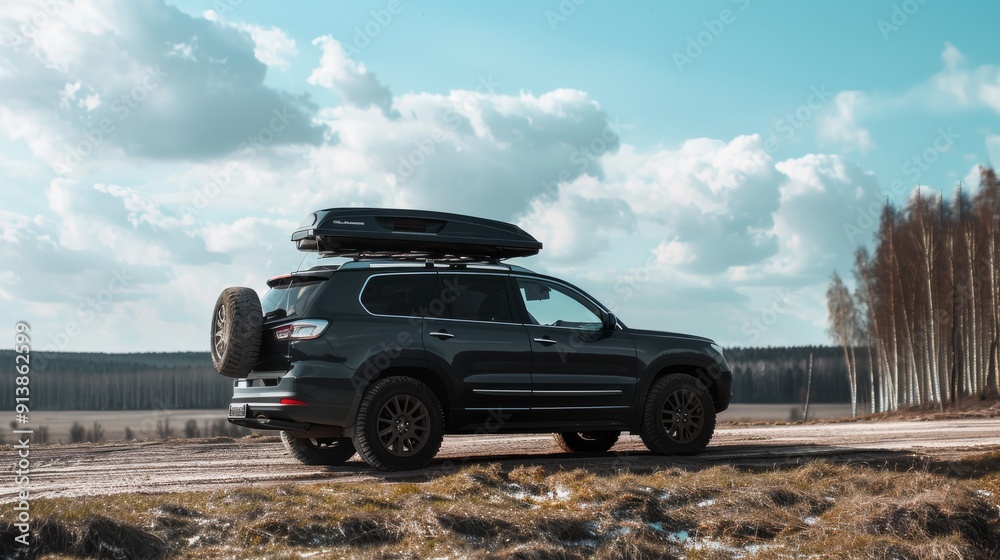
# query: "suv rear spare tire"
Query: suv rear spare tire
{"points": [[236, 329]]}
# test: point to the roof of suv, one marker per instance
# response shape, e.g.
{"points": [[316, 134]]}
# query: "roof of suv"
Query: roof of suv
{"points": [[326, 271]]}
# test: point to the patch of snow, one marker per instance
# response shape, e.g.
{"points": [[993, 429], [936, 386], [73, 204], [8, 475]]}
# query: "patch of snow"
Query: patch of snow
{"points": [[735, 551], [706, 503], [679, 536], [560, 494], [811, 520]]}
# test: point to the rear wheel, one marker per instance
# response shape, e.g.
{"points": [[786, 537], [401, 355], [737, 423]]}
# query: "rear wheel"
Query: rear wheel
{"points": [[236, 329], [400, 425], [586, 442], [679, 418], [321, 451]]}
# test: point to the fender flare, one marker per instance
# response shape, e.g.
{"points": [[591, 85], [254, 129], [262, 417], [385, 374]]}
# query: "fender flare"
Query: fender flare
{"points": [[702, 368]]}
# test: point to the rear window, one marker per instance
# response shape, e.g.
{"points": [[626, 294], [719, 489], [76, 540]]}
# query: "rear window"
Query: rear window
{"points": [[406, 295], [290, 298], [475, 297]]}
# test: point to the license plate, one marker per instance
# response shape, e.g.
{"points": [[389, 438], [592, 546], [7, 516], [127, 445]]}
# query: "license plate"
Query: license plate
{"points": [[237, 411]]}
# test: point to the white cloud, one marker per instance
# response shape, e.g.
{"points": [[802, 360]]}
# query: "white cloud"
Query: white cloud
{"points": [[970, 183], [68, 94], [559, 224], [993, 149], [822, 195], [351, 80], [184, 50], [841, 127], [90, 102], [145, 67], [969, 87], [271, 45]]}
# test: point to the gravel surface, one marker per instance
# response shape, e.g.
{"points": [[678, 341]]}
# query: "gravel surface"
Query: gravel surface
{"points": [[221, 463]]}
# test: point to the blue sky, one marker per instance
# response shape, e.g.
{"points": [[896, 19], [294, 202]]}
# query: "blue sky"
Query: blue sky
{"points": [[701, 166]]}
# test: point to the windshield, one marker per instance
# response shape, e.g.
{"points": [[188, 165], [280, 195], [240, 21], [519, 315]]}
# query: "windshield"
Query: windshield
{"points": [[290, 298]]}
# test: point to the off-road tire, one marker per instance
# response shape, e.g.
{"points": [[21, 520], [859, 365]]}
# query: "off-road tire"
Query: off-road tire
{"points": [[328, 451], [383, 406], [692, 429], [586, 442], [236, 329]]}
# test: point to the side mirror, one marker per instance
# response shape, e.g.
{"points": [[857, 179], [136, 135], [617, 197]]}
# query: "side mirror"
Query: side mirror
{"points": [[609, 322]]}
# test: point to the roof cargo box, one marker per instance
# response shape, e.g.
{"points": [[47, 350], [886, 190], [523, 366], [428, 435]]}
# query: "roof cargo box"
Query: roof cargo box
{"points": [[411, 234]]}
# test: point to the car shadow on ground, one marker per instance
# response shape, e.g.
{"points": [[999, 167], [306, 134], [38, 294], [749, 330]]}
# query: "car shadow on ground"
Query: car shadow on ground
{"points": [[753, 458]]}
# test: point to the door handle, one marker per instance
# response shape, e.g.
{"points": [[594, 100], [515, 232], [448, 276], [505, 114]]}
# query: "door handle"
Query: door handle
{"points": [[545, 341], [442, 335]]}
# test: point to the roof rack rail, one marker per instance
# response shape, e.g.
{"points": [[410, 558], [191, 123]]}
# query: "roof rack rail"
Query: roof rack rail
{"points": [[387, 234]]}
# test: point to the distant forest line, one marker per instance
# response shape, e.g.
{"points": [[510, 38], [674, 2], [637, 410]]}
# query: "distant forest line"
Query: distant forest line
{"points": [[186, 380]]}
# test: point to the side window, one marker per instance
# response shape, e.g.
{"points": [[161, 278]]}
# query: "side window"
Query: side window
{"points": [[551, 304], [473, 297], [398, 294]]}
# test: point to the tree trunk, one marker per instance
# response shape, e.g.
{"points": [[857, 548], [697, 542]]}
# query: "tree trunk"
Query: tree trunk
{"points": [[809, 381]]}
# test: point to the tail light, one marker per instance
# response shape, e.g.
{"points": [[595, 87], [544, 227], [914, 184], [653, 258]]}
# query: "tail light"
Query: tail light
{"points": [[301, 330]]}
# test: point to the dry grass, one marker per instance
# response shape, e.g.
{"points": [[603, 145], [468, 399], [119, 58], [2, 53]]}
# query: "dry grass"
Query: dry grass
{"points": [[967, 407], [819, 510]]}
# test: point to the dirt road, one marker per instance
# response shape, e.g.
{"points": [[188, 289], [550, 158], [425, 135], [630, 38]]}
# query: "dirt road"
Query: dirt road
{"points": [[222, 463]]}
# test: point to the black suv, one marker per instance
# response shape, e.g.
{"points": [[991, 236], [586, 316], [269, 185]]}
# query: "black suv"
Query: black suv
{"points": [[426, 332]]}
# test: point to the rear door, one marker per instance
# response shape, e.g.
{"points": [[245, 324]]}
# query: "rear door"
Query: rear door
{"points": [[471, 334], [288, 299]]}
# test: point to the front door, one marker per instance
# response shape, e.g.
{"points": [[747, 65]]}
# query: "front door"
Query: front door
{"points": [[579, 370]]}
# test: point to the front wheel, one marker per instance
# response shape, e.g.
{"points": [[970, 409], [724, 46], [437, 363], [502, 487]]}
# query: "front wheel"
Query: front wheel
{"points": [[679, 417], [322, 451], [400, 425], [586, 442]]}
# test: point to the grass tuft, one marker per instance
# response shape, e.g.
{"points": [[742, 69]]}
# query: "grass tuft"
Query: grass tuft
{"points": [[109, 539]]}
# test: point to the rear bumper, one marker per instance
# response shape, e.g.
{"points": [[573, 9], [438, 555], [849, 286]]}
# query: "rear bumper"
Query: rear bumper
{"points": [[328, 391], [269, 424]]}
